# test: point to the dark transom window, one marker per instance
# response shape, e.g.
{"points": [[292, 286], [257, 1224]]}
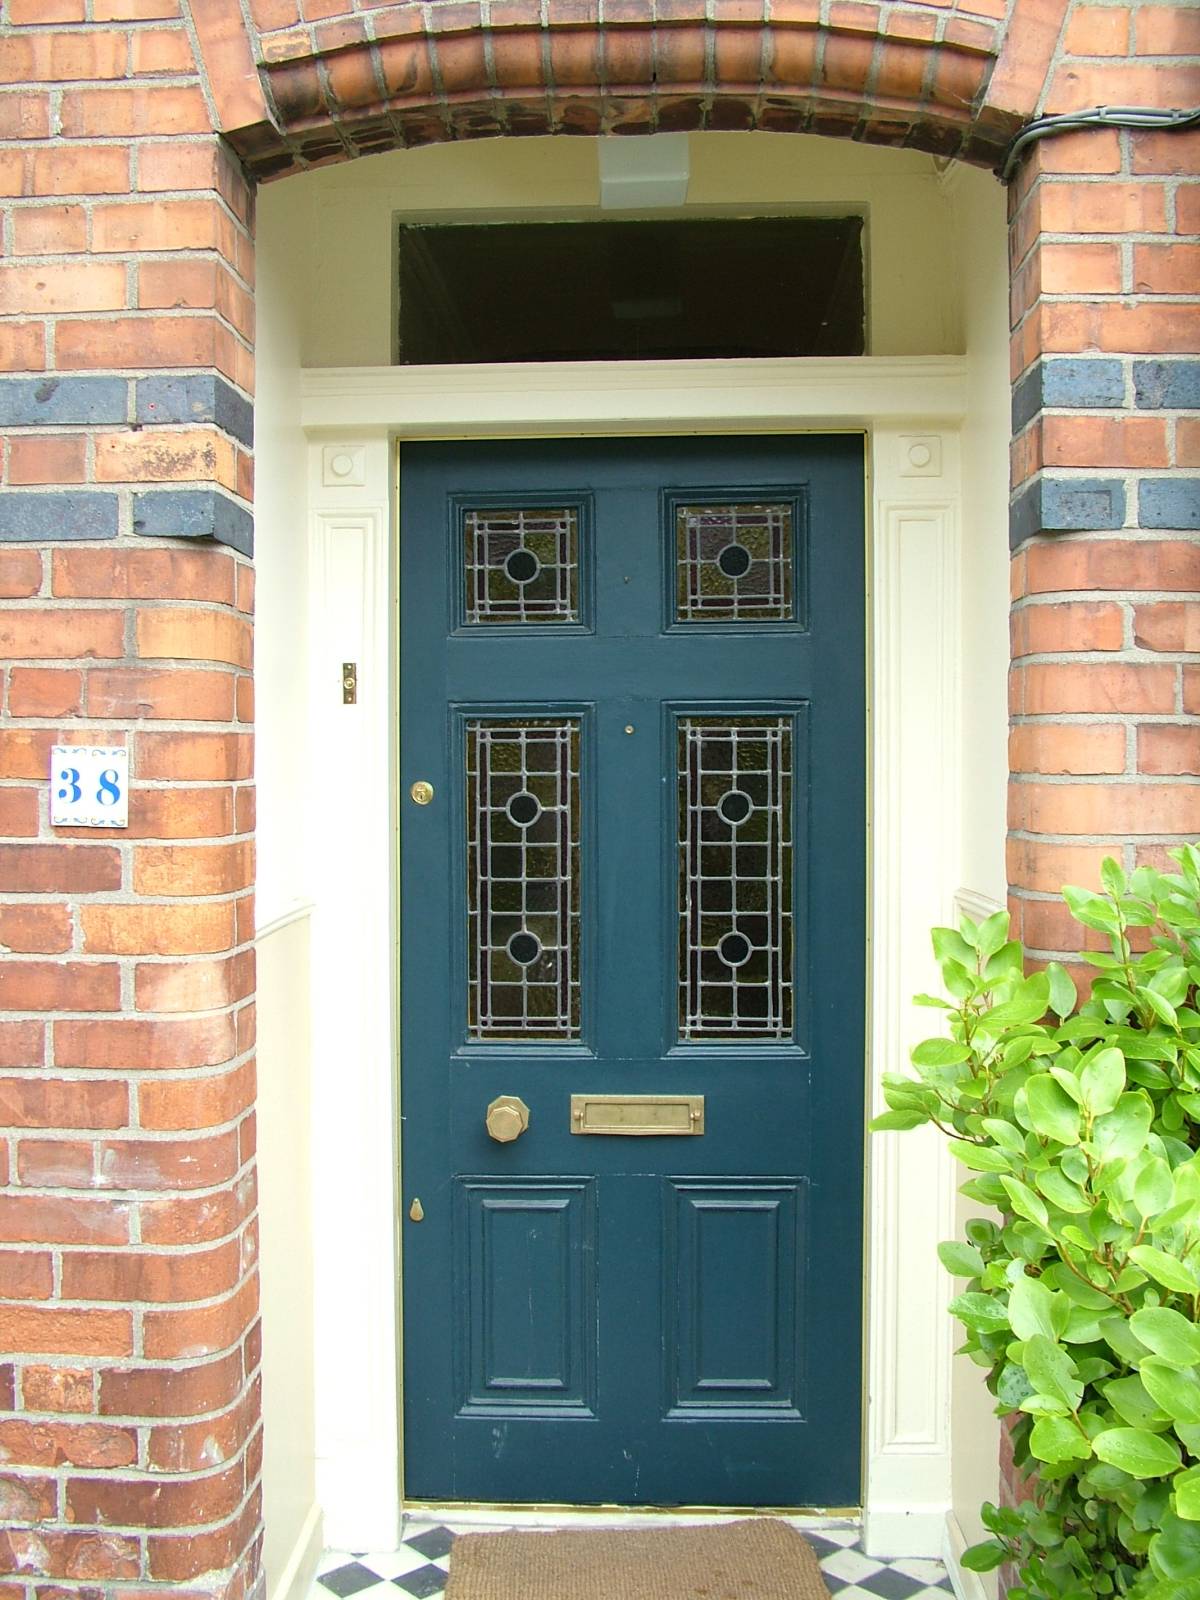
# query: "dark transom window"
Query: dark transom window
{"points": [[604, 291]]}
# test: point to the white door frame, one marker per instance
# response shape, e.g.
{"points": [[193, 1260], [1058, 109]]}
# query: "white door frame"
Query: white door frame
{"points": [[910, 410]]}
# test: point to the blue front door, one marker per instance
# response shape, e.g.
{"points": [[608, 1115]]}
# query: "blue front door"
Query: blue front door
{"points": [[633, 970]]}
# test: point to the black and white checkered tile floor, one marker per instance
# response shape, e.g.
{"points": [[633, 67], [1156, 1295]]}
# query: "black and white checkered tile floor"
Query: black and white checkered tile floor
{"points": [[419, 1567]]}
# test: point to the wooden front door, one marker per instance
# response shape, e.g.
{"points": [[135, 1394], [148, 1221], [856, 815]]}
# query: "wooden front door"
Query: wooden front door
{"points": [[633, 676]]}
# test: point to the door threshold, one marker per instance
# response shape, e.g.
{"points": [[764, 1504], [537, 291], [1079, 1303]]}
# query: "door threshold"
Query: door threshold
{"points": [[473, 1514]]}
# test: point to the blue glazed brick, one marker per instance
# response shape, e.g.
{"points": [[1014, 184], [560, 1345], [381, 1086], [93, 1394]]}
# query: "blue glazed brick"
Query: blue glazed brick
{"points": [[1065, 505], [234, 413], [1167, 385], [1082, 383], [196, 397], [193, 514], [1169, 503], [38, 402], [1027, 398], [37, 518], [1071, 505], [1025, 514]]}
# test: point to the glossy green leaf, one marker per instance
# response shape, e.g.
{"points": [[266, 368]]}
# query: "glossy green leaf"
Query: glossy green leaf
{"points": [[1175, 1553], [1052, 1112], [1169, 1589], [1067, 1082], [1168, 1334], [898, 1121], [980, 1157], [1061, 1192], [985, 1557], [1093, 910], [1013, 1385], [1161, 1007], [1029, 1002], [980, 1312], [1113, 878], [1133, 1403], [1030, 1310], [949, 945], [939, 1053], [1152, 1190], [1175, 1390], [991, 934], [1009, 1138], [1081, 1326], [1052, 1372], [1055, 1439], [1024, 1202], [1063, 993], [1101, 1081], [1186, 1487], [1137, 1452], [1171, 1273], [1122, 1132], [963, 1260], [1007, 961]]}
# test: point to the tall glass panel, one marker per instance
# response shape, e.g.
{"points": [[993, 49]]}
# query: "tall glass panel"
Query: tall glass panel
{"points": [[523, 888], [735, 877]]}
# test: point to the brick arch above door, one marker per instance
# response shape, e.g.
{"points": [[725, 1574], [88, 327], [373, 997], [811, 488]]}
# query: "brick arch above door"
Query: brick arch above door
{"points": [[306, 86]]}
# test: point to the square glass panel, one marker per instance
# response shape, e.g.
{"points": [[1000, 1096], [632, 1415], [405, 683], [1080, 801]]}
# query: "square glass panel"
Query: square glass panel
{"points": [[735, 878], [523, 879], [521, 565], [734, 563]]}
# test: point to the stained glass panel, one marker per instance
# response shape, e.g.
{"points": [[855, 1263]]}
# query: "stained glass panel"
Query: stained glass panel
{"points": [[735, 877], [733, 563], [521, 565], [523, 894]]}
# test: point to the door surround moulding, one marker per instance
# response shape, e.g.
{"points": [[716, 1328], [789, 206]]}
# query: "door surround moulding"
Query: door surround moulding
{"points": [[547, 399], [910, 409]]}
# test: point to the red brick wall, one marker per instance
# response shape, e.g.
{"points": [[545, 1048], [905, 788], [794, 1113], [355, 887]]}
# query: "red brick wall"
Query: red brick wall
{"points": [[129, 1431], [129, 1415], [1105, 685], [1105, 244]]}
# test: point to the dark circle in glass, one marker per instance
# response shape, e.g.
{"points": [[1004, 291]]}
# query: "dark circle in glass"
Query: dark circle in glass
{"points": [[733, 949], [525, 948], [735, 805], [522, 565], [734, 560], [524, 808]]}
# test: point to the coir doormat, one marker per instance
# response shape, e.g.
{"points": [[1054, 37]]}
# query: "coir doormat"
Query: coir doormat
{"points": [[761, 1558]]}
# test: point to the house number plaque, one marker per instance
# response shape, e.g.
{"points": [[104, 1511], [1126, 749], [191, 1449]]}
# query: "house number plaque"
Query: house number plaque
{"points": [[89, 786]]}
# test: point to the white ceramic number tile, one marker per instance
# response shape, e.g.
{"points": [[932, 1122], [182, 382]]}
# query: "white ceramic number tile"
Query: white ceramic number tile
{"points": [[89, 786]]}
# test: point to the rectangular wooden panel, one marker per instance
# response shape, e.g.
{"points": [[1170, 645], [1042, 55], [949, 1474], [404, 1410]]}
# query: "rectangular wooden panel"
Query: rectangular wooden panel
{"points": [[734, 1265], [526, 1288]]}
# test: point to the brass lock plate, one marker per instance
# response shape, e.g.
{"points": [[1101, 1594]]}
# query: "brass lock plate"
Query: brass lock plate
{"points": [[645, 1115]]}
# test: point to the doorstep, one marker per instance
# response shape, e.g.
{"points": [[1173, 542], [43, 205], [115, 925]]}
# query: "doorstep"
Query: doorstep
{"points": [[419, 1567]]}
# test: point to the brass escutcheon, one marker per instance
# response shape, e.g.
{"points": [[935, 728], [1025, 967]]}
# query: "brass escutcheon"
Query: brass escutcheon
{"points": [[421, 792]]}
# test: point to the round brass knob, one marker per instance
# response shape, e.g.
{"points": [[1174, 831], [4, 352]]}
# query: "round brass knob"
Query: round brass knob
{"points": [[507, 1118]]}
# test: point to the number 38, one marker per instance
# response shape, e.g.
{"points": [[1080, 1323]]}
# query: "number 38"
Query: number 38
{"points": [[107, 794]]}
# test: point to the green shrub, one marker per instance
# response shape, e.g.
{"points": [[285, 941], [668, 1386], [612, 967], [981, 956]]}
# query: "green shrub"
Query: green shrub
{"points": [[1080, 1125]]}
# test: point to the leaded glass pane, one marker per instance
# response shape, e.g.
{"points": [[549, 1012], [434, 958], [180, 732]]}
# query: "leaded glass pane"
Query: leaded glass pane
{"points": [[733, 563], [735, 877], [523, 879], [521, 565]]}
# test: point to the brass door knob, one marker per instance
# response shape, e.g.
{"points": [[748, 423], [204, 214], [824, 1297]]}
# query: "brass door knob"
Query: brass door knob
{"points": [[507, 1118]]}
